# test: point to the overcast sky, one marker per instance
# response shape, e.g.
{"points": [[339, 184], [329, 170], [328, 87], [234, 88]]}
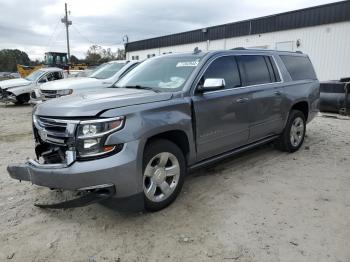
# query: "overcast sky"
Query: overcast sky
{"points": [[34, 25]]}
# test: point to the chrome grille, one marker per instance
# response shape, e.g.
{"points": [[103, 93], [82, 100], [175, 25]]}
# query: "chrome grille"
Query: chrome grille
{"points": [[55, 131], [48, 94]]}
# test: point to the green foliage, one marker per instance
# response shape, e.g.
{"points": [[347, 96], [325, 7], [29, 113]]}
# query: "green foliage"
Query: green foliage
{"points": [[9, 58]]}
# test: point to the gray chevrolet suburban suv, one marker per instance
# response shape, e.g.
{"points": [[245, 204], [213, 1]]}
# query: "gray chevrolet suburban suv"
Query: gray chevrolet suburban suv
{"points": [[131, 145]]}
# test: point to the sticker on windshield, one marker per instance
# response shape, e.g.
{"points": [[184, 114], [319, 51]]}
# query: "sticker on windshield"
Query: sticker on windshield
{"points": [[188, 63]]}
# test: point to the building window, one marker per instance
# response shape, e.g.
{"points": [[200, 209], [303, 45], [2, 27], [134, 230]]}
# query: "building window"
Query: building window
{"points": [[135, 57]]}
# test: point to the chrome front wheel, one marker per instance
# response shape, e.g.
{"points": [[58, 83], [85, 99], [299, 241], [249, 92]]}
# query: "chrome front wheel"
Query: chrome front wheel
{"points": [[164, 169], [161, 176]]}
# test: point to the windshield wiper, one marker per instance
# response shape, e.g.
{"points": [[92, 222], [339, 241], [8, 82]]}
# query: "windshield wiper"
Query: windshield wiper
{"points": [[143, 87]]}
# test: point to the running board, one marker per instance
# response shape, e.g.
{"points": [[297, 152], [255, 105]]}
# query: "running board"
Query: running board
{"points": [[239, 150], [87, 199]]}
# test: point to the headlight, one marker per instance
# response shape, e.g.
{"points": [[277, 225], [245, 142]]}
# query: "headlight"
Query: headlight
{"points": [[92, 135], [64, 92]]}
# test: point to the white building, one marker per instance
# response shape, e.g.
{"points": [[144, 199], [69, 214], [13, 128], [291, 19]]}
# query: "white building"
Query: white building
{"points": [[322, 32]]}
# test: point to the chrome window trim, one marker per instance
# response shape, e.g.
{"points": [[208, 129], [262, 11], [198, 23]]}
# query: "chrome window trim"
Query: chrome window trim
{"points": [[241, 87], [278, 69]]}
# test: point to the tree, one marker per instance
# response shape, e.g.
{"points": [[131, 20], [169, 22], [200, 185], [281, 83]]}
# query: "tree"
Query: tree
{"points": [[97, 55], [120, 54], [9, 58], [74, 59], [93, 55]]}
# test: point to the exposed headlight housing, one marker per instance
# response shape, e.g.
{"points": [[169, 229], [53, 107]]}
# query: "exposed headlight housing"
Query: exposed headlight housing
{"points": [[92, 135], [64, 92]]}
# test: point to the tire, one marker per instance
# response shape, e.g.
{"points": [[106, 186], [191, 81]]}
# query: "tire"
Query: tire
{"points": [[293, 134], [163, 173], [21, 99]]}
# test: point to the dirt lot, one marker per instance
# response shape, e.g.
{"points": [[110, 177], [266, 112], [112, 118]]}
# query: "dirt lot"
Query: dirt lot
{"points": [[262, 206]]}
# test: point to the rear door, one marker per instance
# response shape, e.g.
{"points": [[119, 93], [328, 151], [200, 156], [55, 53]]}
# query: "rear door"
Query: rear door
{"points": [[261, 76], [221, 116]]}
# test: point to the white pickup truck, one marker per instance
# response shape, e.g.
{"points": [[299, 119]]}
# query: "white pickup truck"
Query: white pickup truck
{"points": [[18, 90], [103, 76]]}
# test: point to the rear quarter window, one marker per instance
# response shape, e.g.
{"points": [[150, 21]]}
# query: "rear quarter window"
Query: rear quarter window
{"points": [[299, 67]]}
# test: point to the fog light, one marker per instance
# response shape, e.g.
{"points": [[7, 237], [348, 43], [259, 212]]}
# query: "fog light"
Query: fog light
{"points": [[89, 143]]}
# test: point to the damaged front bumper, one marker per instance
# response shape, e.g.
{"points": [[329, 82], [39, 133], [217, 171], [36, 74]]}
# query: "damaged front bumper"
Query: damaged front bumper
{"points": [[89, 195], [7, 97], [112, 181]]}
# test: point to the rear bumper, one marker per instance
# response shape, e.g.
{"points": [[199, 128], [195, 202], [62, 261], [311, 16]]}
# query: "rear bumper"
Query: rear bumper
{"points": [[120, 170]]}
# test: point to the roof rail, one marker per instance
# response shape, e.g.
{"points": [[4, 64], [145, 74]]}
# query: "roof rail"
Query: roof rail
{"points": [[238, 48], [196, 50]]}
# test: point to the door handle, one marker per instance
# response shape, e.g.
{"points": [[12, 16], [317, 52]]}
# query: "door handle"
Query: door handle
{"points": [[278, 93], [242, 100]]}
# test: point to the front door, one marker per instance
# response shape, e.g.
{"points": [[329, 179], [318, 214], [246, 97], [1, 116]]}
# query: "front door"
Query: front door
{"points": [[222, 119]]}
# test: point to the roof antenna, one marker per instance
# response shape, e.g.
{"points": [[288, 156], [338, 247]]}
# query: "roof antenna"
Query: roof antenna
{"points": [[196, 50]]}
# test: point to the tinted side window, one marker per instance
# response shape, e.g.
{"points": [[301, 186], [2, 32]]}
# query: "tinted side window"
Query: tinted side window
{"points": [[54, 76], [299, 67], [255, 68], [224, 67]]}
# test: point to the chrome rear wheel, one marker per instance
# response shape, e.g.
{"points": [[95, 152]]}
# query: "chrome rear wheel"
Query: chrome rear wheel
{"points": [[297, 131]]}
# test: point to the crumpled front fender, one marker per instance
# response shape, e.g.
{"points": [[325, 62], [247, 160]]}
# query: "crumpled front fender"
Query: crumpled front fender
{"points": [[20, 90]]}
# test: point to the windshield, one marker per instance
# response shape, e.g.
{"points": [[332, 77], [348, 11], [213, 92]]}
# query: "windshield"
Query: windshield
{"points": [[34, 76], [106, 70], [164, 74]]}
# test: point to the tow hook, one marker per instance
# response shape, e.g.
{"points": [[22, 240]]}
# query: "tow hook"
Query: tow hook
{"points": [[89, 196]]}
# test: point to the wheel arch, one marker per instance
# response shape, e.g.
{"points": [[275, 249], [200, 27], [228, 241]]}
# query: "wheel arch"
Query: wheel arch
{"points": [[302, 106], [177, 136]]}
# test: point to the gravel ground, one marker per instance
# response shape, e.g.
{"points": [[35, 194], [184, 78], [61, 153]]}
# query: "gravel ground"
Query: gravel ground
{"points": [[264, 205]]}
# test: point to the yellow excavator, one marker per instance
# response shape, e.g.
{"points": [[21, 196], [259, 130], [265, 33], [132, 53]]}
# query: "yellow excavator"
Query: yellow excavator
{"points": [[52, 59]]}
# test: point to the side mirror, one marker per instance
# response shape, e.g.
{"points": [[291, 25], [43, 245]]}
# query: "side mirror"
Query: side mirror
{"points": [[42, 80], [212, 84]]}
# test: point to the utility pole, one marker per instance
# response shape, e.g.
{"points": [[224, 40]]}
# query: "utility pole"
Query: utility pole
{"points": [[67, 23]]}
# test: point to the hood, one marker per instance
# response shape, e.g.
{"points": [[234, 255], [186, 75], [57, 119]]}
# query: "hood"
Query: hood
{"points": [[92, 103], [14, 83], [71, 83]]}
